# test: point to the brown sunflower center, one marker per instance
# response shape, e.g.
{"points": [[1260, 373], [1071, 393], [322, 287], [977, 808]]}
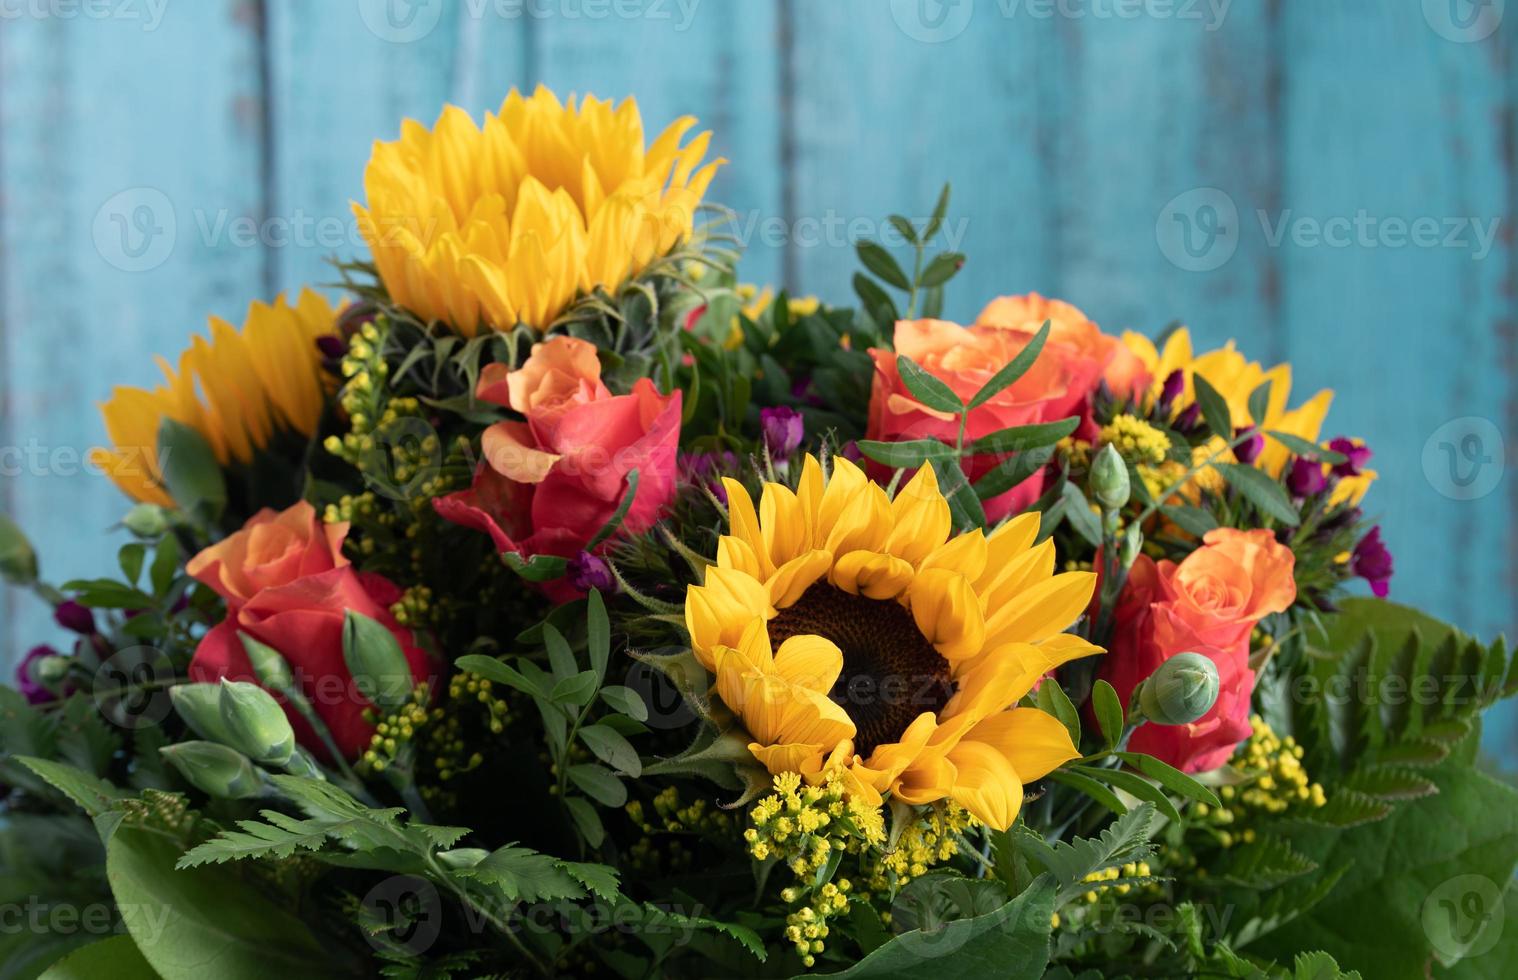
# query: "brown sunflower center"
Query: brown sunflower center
{"points": [[891, 673]]}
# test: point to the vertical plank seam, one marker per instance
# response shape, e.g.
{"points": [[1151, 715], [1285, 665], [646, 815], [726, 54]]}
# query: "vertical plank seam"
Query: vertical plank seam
{"points": [[7, 423], [1507, 322], [268, 177], [1274, 185], [786, 84]]}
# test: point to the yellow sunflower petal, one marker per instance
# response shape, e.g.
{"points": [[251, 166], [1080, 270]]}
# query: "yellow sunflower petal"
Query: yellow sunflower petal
{"points": [[796, 576], [986, 784], [872, 574], [717, 612], [865, 525], [947, 611], [930, 777], [921, 518], [785, 533], [791, 757], [811, 662], [1042, 611], [1036, 743], [966, 554], [744, 522], [888, 760], [735, 553]]}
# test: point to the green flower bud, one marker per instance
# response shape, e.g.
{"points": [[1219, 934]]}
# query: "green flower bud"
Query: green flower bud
{"points": [[375, 659], [1109, 479], [200, 707], [255, 723], [1181, 690], [215, 769], [1133, 540], [146, 520], [18, 562], [269, 665], [52, 670]]}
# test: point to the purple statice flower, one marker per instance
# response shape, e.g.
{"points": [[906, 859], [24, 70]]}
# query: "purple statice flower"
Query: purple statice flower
{"points": [[1250, 449], [1373, 562], [707, 469], [1175, 384], [587, 572], [74, 617], [1306, 478], [1355, 457], [26, 681], [1189, 418], [783, 431], [850, 451]]}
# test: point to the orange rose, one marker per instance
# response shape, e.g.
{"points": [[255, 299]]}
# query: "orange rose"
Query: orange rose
{"points": [[271, 550], [287, 585], [1224, 588], [1058, 385], [1207, 604], [547, 485]]}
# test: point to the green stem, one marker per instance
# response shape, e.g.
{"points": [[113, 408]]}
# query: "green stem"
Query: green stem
{"points": [[916, 277]]}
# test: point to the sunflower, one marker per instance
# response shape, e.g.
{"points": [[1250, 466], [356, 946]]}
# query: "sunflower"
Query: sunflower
{"points": [[1235, 378], [508, 222], [852, 635], [238, 389]]}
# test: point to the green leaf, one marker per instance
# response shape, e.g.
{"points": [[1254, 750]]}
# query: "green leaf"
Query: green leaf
{"points": [[165, 564], [1306, 447], [1090, 787], [1014, 369], [935, 221], [927, 389], [1108, 710], [614, 523], [520, 874], [1214, 408], [879, 305], [941, 269], [964, 506], [1012, 471], [611, 748], [1192, 520], [879, 262], [539, 568], [1024, 437], [599, 783], [1259, 403], [1134, 785], [560, 656], [1267, 863], [206, 922], [576, 689], [130, 558], [18, 560], [1126, 840], [1085, 520], [904, 228], [501, 673], [625, 700], [586, 819], [1260, 489], [1170, 777], [1012, 941], [905, 455], [90, 793], [117, 957], [1053, 700], [190, 471], [598, 631], [376, 662]]}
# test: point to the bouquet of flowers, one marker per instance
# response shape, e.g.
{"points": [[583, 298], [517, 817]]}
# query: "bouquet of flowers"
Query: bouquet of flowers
{"points": [[549, 601]]}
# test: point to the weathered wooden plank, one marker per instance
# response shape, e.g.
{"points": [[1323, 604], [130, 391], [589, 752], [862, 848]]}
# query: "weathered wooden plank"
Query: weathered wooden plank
{"points": [[1389, 123], [341, 76], [124, 140], [718, 62], [890, 102]]}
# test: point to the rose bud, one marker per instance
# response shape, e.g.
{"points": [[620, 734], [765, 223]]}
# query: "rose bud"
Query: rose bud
{"points": [[255, 723], [215, 769], [1180, 691]]}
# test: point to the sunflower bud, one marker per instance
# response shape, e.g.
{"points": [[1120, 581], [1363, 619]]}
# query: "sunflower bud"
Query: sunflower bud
{"points": [[375, 659], [18, 562], [1109, 479], [1181, 690], [215, 769], [255, 723]]}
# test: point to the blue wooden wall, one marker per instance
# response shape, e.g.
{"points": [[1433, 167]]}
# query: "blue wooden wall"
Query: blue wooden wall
{"points": [[1081, 136]]}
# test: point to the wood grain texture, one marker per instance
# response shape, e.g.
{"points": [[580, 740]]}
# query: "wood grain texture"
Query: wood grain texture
{"points": [[1083, 149]]}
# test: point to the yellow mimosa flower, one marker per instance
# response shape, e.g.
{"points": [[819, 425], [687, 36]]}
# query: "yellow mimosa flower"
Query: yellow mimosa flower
{"points": [[1235, 378], [238, 389], [508, 222], [853, 636]]}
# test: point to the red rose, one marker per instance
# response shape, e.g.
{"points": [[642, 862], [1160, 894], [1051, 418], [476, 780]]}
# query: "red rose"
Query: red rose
{"points": [[287, 585], [547, 485]]}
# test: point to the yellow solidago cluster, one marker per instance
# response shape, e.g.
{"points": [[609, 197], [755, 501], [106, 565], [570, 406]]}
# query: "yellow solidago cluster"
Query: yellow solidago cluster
{"points": [[1112, 878], [660, 849], [1136, 440], [435, 734], [802, 825], [932, 839], [1274, 783], [505, 223], [807, 927], [239, 389]]}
